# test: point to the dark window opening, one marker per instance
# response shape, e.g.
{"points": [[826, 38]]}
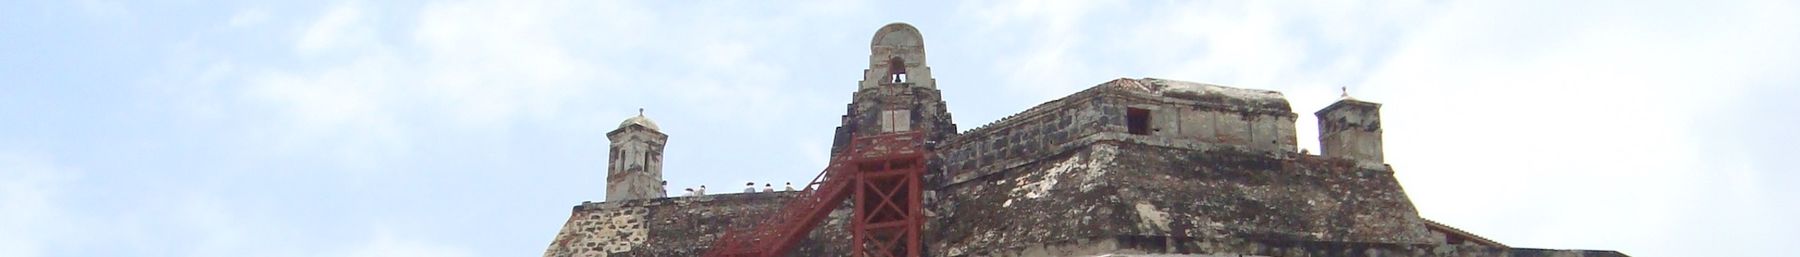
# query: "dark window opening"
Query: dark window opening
{"points": [[897, 70], [1137, 121]]}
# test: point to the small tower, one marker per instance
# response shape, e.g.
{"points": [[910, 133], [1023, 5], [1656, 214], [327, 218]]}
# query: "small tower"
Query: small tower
{"points": [[1351, 129], [634, 165], [897, 92]]}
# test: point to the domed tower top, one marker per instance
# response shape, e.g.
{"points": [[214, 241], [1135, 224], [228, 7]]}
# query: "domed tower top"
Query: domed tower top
{"points": [[897, 56], [640, 120], [896, 36]]}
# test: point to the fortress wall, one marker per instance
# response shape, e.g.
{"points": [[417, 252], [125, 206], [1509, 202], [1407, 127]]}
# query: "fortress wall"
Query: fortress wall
{"points": [[1126, 185], [1263, 130], [1112, 194], [1066, 178], [681, 226], [1162, 246], [1229, 192], [1027, 136], [1055, 126]]}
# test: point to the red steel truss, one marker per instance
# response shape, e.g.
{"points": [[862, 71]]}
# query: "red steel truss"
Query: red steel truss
{"points": [[883, 172]]}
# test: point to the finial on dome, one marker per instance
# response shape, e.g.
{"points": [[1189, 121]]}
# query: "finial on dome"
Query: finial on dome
{"points": [[639, 120]]}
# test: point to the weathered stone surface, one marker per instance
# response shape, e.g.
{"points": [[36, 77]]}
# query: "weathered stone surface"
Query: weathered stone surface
{"points": [[1351, 128], [897, 92], [681, 226], [1115, 186], [1140, 246], [1053, 127], [897, 40], [1065, 178], [897, 107], [1131, 167], [634, 163]]}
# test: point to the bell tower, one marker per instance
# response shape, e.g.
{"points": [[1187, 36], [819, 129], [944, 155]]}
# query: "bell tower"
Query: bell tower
{"points": [[897, 92], [634, 164]]}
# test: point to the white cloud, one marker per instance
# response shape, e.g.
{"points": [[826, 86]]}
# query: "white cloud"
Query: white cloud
{"points": [[36, 219], [1538, 124], [1575, 126], [343, 112], [204, 225], [494, 61], [1053, 29], [1575, 119], [1308, 51], [342, 25], [32, 214], [359, 99]]}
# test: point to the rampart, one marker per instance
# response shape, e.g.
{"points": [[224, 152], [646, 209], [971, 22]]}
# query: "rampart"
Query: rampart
{"points": [[1159, 246], [681, 226], [1177, 112], [1116, 185]]}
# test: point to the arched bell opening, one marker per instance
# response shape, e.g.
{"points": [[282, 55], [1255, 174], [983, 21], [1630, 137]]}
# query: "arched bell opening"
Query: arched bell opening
{"points": [[896, 70]]}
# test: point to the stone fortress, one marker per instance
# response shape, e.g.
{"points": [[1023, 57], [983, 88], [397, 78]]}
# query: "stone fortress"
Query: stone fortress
{"points": [[1130, 167]]}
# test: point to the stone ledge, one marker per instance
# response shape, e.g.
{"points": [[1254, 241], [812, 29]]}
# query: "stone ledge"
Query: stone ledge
{"points": [[586, 205], [1177, 143], [1164, 246]]}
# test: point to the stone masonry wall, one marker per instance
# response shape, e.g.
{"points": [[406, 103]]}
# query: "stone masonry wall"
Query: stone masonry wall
{"points": [[1261, 120], [1189, 115], [924, 108], [1157, 246], [634, 164], [1116, 195], [1116, 185], [1351, 129], [1025, 136], [681, 226]]}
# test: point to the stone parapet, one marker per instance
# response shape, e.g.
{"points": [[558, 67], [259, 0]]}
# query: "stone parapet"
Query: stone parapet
{"points": [[1165, 246], [681, 226]]}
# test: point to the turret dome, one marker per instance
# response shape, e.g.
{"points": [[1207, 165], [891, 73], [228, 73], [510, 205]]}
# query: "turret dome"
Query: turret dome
{"points": [[640, 120]]}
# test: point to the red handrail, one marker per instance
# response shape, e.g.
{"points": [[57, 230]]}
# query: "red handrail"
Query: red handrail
{"points": [[781, 232]]}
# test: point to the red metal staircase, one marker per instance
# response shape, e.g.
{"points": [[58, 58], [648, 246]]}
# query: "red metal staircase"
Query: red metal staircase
{"points": [[883, 172]]}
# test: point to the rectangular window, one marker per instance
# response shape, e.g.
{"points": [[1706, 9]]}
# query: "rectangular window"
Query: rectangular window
{"points": [[896, 120], [1137, 121]]}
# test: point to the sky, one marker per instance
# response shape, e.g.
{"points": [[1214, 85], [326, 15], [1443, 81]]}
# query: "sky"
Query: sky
{"points": [[470, 127]]}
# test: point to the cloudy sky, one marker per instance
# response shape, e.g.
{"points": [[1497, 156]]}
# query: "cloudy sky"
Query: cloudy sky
{"points": [[468, 128]]}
